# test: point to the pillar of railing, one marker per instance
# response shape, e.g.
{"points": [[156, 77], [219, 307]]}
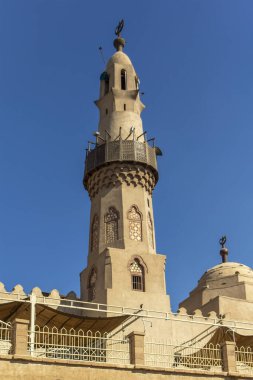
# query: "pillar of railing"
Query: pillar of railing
{"points": [[136, 340], [134, 148], [32, 322], [20, 336], [228, 357]]}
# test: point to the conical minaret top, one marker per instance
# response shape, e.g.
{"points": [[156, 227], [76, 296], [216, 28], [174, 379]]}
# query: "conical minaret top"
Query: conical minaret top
{"points": [[119, 100]]}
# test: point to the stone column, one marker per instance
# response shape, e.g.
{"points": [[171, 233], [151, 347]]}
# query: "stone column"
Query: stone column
{"points": [[228, 356], [20, 336], [136, 340]]}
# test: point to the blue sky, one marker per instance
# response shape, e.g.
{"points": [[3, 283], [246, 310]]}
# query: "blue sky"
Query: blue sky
{"points": [[195, 62]]}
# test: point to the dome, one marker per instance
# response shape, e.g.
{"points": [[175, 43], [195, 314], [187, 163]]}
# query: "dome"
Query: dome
{"points": [[226, 269], [119, 57]]}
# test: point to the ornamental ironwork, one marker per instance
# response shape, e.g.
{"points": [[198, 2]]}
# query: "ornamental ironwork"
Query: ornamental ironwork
{"points": [[121, 150], [137, 275]]}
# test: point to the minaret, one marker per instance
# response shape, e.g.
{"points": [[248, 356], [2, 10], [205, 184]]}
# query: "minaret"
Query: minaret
{"points": [[120, 175]]}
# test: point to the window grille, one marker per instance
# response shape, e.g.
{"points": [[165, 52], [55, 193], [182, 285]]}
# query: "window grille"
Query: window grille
{"points": [[137, 274], [94, 234], [111, 225], [135, 227]]}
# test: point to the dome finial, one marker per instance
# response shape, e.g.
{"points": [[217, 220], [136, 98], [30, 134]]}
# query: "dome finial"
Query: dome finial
{"points": [[224, 250], [119, 42]]}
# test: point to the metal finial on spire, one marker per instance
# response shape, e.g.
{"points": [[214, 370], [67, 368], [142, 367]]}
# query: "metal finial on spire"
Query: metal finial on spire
{"points": [[119, 42], [223, 250], [119, 28]]}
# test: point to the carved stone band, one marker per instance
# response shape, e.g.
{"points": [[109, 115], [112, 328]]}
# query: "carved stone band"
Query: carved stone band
{"points": [[116, 174]]}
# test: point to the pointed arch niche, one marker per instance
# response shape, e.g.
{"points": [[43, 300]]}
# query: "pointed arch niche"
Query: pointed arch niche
{"points": [[94, 234], [92, 284], [137, 271], [111, 225], [135, 223]]}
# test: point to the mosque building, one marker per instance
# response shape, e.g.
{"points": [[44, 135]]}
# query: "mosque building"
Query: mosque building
{"points": [[122, 326]]}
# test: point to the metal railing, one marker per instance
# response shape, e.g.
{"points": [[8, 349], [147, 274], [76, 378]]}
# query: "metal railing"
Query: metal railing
{"points": [[120, 150], [79, 345], [167, 355], [244, 359], [5, 338]]}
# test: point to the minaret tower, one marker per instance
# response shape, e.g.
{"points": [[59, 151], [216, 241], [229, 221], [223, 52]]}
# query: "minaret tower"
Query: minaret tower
{"points": [[120, 175]]}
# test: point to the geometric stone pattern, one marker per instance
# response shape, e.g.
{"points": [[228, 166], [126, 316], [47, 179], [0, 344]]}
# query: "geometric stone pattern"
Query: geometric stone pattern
{"points": [[111, 225], [135, 267], [94, 234], [117, 174], [135, 230]]}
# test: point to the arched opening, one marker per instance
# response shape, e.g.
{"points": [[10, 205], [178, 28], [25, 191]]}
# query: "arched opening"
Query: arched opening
{"points": [[105, 77], [135, 224], [124, 107], [137, 276], [107, 85], [111, 225], [92, 285], [137, 83], [123, 79]]}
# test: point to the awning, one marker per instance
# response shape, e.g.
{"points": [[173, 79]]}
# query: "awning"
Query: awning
{"points": [[50, 317]]}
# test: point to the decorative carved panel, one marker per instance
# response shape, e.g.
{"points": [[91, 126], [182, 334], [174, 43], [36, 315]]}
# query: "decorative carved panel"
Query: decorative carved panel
{"points": [[111, 225], [135, 227], [94, 234]]}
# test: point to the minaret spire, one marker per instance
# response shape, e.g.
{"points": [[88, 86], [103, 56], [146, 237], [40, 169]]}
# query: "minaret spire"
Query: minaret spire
{"points": [[119, 42], [223, 250]]}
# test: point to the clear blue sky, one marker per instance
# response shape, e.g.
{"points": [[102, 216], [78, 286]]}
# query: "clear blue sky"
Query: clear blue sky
{"points": [[195, 62]]}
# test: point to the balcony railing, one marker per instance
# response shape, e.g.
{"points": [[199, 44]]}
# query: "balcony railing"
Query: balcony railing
{"points": [[79, 345], [167, 355], [120, 150], [5, 338]]}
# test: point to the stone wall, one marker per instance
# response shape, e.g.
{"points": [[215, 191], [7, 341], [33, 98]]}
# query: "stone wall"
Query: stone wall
{"points": [[21, 368]]}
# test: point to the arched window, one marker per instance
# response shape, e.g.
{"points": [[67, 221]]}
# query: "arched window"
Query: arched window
{"points": [[150, 231], [105, 77], [92, 285], [94, 234], [107, 86], [137, 83], [123, 77], [135, 227], [111, 225], [137, 275]]}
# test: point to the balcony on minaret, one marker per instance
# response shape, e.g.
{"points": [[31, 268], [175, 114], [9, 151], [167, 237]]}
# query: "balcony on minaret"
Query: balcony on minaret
{"points": [[122, 151]]}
